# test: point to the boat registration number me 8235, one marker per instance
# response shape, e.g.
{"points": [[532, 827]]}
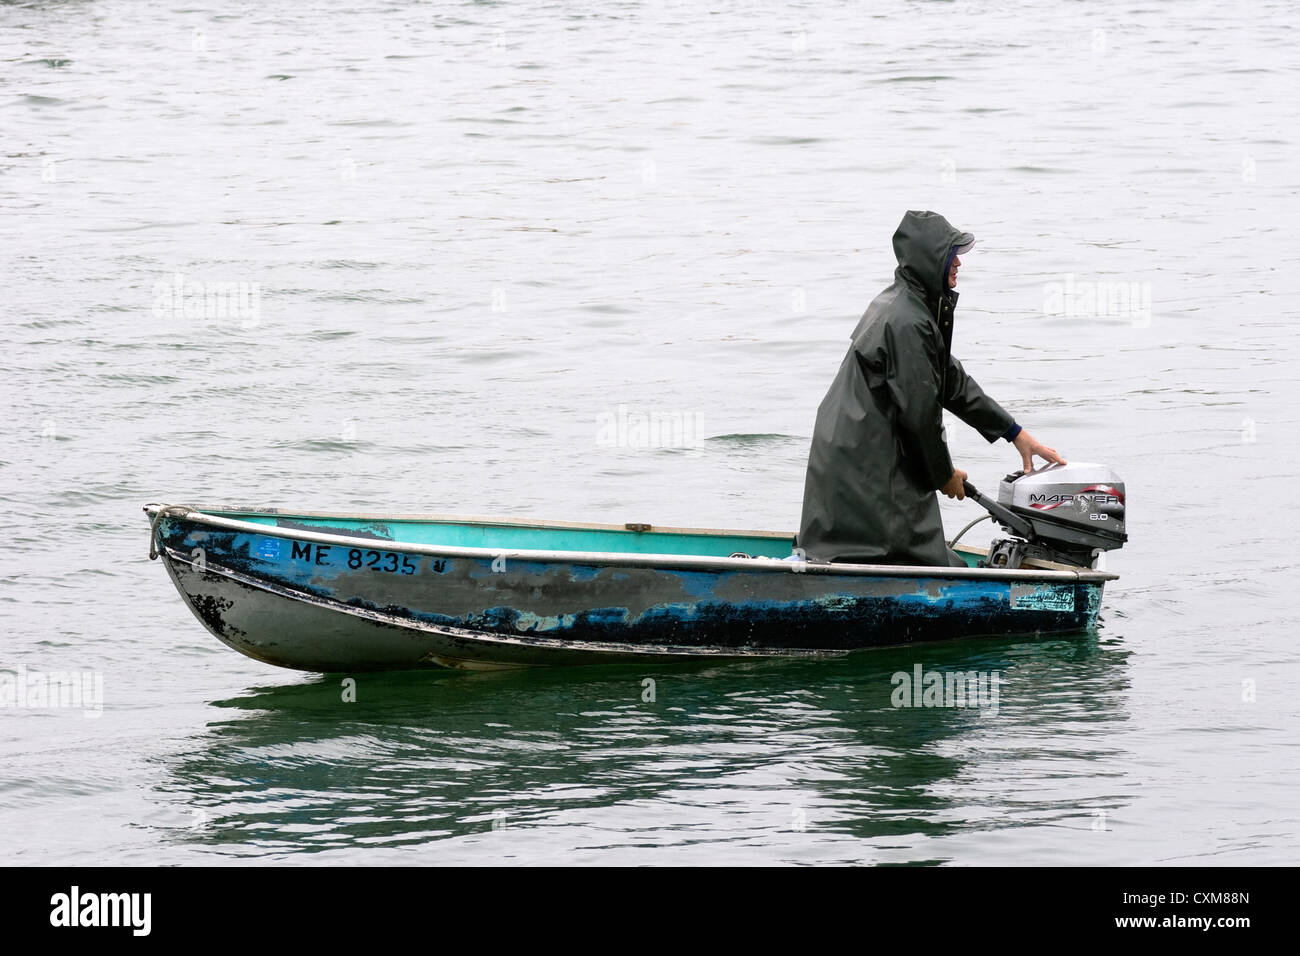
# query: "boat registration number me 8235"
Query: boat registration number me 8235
{"points": [[356, 559]]}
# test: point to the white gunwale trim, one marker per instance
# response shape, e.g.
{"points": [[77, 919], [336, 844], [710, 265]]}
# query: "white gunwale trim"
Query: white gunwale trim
{"points": [[694, 562], [494, 520]]}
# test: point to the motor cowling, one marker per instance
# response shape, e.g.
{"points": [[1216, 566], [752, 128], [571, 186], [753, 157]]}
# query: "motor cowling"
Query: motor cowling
{"points": [[1074, 512]]}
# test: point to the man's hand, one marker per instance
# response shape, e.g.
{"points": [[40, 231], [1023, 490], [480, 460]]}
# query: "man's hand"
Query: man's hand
{"points": [[1029, 446], [954, 488]]}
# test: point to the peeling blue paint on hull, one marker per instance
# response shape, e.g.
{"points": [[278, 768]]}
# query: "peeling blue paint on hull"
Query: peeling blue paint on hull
{"points": [[320, 600]]}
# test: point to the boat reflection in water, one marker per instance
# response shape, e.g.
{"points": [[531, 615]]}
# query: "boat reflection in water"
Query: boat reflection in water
{"points": [[711, 762]]}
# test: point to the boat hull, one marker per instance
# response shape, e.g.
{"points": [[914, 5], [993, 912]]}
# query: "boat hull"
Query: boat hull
{"points": [[321, 601]]}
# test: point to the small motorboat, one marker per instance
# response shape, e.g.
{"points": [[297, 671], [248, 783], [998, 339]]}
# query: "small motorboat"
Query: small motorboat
{"points": [[352, 592]]}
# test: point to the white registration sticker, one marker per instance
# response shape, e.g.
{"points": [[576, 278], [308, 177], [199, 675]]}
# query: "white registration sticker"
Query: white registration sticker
{"points": [[1042, 597]]}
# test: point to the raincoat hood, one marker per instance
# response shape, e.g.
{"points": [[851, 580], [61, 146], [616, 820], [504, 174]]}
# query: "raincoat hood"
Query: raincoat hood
{"points": [[923, 245]]}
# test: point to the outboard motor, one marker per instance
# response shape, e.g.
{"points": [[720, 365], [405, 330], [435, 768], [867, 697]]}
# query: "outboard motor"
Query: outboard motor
{"points": [[1070, 514]]}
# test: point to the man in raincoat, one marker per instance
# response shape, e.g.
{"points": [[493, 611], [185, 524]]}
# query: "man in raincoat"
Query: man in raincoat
{"points": [[878, 451]]}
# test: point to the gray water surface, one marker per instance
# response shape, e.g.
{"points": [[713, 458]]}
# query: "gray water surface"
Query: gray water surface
{"points": [[480, 231]]}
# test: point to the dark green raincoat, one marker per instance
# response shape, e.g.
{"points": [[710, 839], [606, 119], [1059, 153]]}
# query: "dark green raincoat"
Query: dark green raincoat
{"points": [[878, 452]]}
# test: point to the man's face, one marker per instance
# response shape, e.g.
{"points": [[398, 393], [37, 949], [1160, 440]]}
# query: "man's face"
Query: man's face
{"points": [[952, 272]]}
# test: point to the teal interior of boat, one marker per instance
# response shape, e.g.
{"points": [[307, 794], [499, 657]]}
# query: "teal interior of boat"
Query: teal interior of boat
{"points": [[527, 537]]}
